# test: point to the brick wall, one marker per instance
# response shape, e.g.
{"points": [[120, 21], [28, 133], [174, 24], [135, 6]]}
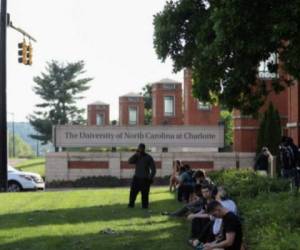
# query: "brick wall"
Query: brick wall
{"points": [[193, 114], [159, 91], [246, 128], [126, 102], [94, 109], [75, 165], [294, 112]]}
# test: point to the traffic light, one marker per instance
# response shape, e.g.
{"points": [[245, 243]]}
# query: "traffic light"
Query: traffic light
{"points": [[29, 54], [22, 52]]}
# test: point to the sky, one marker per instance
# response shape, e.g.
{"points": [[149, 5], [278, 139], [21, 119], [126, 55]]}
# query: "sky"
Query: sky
{"points": [[113, 37]]}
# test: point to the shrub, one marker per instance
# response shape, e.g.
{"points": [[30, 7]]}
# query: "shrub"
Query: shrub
{"points": [[92, 181], [247, 183], [271, 221], [100, 181], [270, 216]]}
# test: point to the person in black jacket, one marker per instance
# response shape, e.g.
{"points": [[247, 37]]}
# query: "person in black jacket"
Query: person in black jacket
{"points": [[262, 161], [143, 177]]}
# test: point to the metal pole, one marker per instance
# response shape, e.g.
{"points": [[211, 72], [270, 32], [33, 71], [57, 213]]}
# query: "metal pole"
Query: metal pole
{"points": [[37, 148], [13, 137], [3, 120]]}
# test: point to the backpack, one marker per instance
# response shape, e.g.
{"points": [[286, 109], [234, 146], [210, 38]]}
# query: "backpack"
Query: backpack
{"points": [[287, 157]]}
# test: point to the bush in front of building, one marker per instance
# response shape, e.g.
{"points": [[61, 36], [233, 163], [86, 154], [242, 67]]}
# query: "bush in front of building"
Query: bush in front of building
{"points": [[247, 183], [269, 133], [100, 181], [269, 212], [90, 181]]}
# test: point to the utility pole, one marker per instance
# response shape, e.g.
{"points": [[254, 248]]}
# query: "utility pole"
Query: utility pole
{"points": [[13, 154], [4, 23], [3, 120], [13, 139], [37, 148]]}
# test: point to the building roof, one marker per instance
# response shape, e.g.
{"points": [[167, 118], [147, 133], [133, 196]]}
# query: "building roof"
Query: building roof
{"points": [[167, 81], [98, 103], [132, 94]]}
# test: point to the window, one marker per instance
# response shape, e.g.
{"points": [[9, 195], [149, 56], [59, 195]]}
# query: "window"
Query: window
{"points": [[169, 105], [169, 86], [100, 119], [133, 99], [204, 106], [132, 115], [263, 70]]}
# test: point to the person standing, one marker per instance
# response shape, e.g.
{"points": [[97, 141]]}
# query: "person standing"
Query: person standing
{"points": [[174, 176], [262, 161], [143, 176]]}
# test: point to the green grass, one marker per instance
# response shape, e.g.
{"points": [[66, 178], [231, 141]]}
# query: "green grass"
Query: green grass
{"points": [[272, 221], [36, 165], [76, 219]]}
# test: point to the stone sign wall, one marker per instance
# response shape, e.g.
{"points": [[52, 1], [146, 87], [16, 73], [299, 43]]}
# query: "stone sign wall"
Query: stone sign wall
{"points": [[75, 165], [162, 136]]}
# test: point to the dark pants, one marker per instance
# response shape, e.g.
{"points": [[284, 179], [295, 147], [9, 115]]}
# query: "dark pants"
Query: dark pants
{"points": [[292, 174], [202, 229], [193, 207], [137, 185], [184, 192]]}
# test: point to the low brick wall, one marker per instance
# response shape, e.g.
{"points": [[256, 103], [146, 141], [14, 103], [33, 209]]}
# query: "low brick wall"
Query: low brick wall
{"points": [[68, 166]]}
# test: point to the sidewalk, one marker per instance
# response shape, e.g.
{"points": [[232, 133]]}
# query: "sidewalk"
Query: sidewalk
{"points": [[15, 161]]}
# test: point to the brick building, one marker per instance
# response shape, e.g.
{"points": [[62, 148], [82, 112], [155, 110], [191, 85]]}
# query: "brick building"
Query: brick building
{"points": [[167, 103], [98, 114], [293, 125], [287, 104], [131, 110], [246, 127], [196, 112]]}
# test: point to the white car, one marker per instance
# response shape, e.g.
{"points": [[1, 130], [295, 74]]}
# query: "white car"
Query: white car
{"points": [[18, 180]]}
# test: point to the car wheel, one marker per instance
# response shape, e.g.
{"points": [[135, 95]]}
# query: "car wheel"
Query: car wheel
{"points": [[14, 186]]}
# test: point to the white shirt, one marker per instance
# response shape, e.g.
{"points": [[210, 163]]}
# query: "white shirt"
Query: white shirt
{"points": [[228, 204]]}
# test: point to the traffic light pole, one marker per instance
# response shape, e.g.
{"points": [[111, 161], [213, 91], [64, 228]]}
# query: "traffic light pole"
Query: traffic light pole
{"points": [[3, 124], [4, 23]]}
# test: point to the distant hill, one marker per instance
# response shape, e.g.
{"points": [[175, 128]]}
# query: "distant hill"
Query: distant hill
{"points": [[24, 130]]}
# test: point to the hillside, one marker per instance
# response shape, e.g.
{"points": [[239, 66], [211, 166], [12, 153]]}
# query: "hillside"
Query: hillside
{"points": [[24, 130]]}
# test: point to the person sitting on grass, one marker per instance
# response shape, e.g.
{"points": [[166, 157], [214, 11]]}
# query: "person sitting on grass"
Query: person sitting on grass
{"points": [[192, 207], [232, 228], [201, 178], [201, 221], [186, 183], [229, 204]]}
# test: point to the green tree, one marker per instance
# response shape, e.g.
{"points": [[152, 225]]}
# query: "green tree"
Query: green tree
{"points": [[269, 133], [147, 94], [226, 118], [22, 149], [223, 42], [60, 88], [148, 117]]}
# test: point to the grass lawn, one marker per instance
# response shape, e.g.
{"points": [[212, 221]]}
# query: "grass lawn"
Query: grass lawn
{"points": [[79, 219], [272, 221], [36, 165]]}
